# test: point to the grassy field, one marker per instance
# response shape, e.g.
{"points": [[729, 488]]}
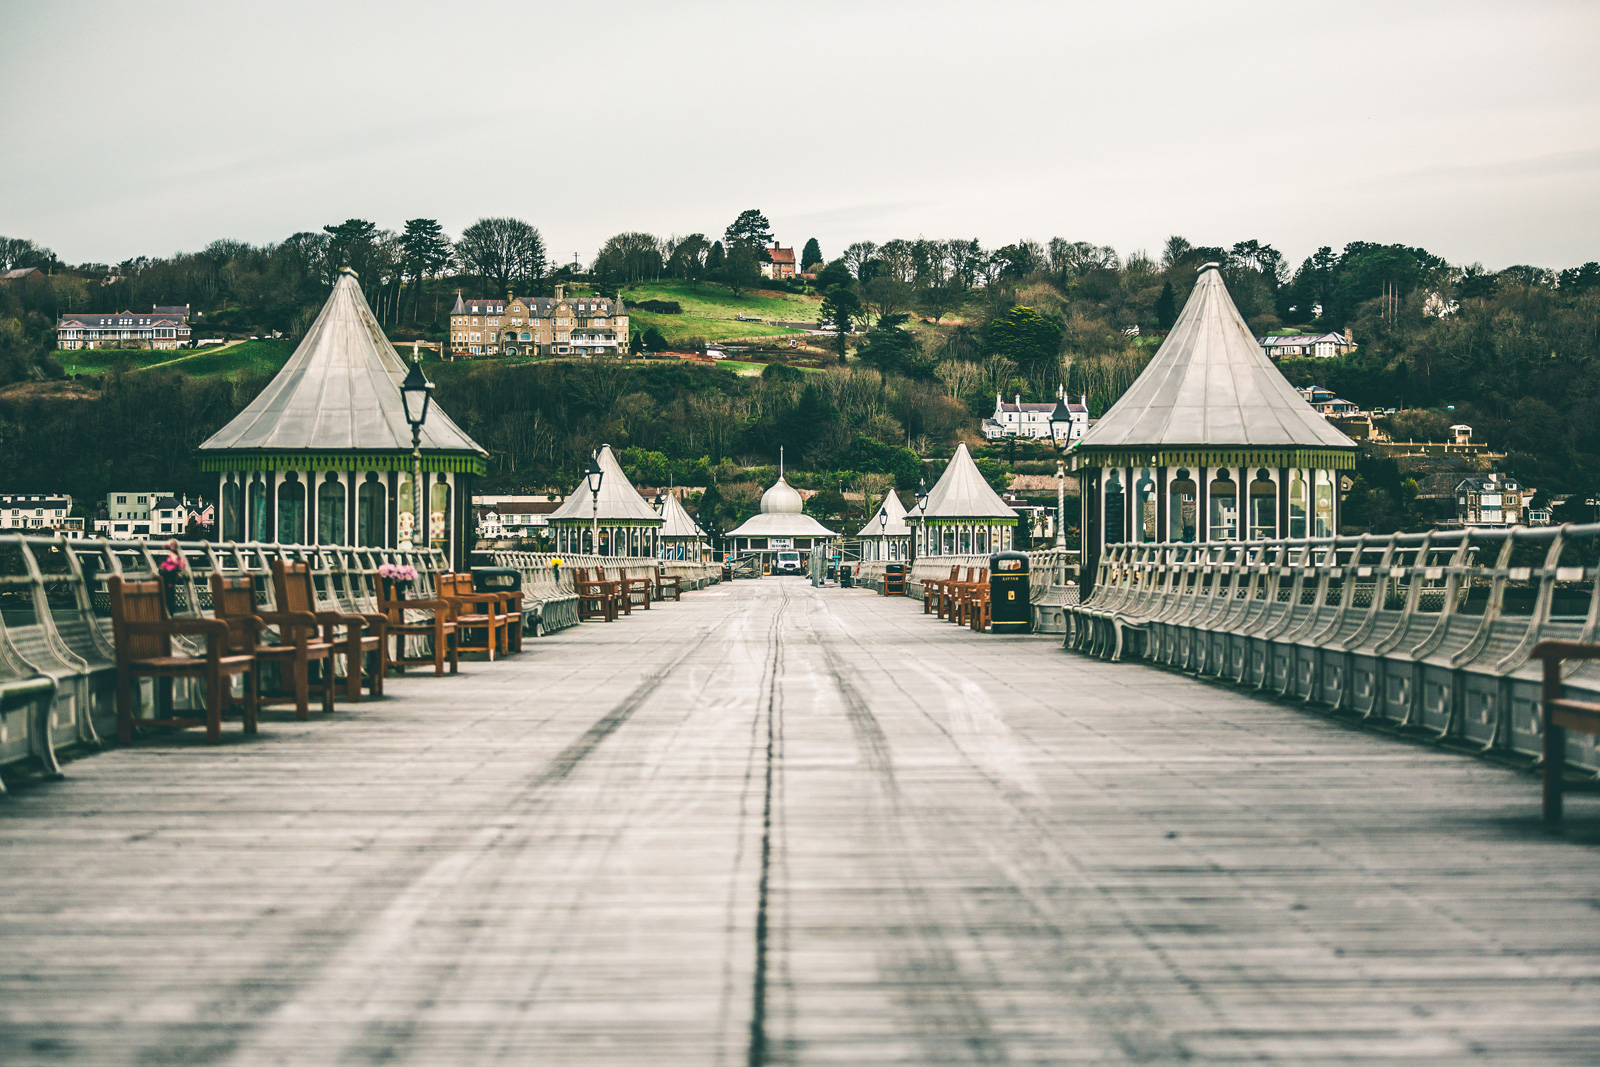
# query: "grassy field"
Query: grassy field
{"points": [[251, 356], [712, 311]]}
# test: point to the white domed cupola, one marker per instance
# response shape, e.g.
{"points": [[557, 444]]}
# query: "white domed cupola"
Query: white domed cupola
{"points": [[782, 499]]}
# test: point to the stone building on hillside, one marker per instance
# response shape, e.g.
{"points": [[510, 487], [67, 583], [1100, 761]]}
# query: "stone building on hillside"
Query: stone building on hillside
{"points": [[556, 325]]}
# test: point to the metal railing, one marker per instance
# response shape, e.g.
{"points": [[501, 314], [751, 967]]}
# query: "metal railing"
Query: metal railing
{"points": [[1432, 632], [549, 601]]}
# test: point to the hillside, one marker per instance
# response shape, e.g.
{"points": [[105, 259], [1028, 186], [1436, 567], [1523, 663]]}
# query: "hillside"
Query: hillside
{"points": [[243, 357], [712, 311]]}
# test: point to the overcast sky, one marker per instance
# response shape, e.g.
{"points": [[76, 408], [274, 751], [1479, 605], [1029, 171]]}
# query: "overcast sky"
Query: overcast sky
{"points": [[1472, 129]]}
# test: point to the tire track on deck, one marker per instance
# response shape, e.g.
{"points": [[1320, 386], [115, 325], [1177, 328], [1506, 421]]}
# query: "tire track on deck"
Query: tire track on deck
{"points": [[258, 1018], [946, 1014]]}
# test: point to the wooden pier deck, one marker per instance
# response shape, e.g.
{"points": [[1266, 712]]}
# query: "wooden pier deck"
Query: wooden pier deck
{"points": [[772, 824]]}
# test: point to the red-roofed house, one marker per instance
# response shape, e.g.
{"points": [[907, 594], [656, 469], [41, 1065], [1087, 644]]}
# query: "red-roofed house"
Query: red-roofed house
{"points": [[781, 265]]}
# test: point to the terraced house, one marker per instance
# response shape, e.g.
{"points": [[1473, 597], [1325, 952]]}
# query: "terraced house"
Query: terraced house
{"points": [[538, 326], [163, 327]]}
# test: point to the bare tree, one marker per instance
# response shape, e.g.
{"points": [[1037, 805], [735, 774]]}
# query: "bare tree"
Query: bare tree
{"points": [[859, 255], [504, 252]]}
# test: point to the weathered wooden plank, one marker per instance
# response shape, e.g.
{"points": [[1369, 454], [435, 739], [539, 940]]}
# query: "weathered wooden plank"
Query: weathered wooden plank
{"points": [[878, 837]]}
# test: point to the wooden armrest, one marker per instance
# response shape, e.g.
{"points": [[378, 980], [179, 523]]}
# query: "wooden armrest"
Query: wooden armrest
{"points": [[207, 627], [289, 618], [427, 605], [1558, 650]]}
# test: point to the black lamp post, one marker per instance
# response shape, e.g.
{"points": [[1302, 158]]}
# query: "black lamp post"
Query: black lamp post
{"points": [[922, 516], [883, 532], [416, 395], [594, 476]]}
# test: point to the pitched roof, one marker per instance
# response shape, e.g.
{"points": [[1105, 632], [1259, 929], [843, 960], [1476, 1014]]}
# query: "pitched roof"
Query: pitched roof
{"points": [[101, 321], [780, 255], [895, 527], [340, 391], [538, 306], [676, 522], [961, 492], [618, 500], [780, 524], [19, 273], [1211, 384]]}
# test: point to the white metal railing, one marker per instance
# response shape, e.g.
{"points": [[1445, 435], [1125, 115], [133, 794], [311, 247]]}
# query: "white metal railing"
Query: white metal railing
{"points": [[1432, 631]]}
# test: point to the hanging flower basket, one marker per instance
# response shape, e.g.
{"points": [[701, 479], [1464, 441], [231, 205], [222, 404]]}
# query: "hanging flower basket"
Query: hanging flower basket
{"points": [[397, 579]]}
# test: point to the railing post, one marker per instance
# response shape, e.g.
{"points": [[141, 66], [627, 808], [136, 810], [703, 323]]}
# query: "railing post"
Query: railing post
{"points": [[1555, 740]]}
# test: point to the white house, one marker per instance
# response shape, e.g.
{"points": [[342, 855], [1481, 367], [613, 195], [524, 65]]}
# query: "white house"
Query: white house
{"points": [[1060, 418], [1307, 346], [39, 513]]}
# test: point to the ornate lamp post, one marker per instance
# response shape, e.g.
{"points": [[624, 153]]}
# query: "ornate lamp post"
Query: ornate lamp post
{"points": [[594, 476], [416, 394], [922, 514], [883, 532]]}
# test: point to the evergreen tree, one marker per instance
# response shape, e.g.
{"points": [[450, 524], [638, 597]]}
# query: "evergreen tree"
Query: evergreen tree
{"points": [[811, 255], [1166, 307]]}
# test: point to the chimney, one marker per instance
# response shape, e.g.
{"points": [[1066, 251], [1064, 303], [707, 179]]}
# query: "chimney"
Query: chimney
{"points": [[560, 293], [1019, 401], [1348, 337]]}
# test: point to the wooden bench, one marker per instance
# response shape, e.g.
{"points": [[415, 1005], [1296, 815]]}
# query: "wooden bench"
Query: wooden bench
{"points": [[352, 635], [961, 594], [142, 633], [634, 587], [476, 612], [293, 648], [1561, 714], [431, 617], [597, 597], [668, 583], [933, 590]]}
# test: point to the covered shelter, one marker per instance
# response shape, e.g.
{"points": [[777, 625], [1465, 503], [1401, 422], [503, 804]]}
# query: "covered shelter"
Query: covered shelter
{"points": [[885, 536], [681, 535], [781, 525], [962, 515], [323, 454], [628, 525], [1210, 443]]}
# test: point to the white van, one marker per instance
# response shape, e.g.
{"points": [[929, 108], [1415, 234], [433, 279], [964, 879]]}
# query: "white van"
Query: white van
{"points": [[787, 563]]}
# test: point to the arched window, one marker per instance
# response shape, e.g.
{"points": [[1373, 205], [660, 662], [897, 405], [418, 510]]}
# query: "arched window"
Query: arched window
{"points": [[232, 510], [405, 510], [439, 513], [1181, 497], [1224, 508], [1325, 503], [1145, 506], [1263, 507], [370, 512], [330, 511], [258, 509], [1114, 509], [291, 510], [1297, 504]]}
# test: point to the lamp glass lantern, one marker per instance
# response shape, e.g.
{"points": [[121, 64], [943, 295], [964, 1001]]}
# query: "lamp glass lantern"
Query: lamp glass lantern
{"points": [[416, 395]]}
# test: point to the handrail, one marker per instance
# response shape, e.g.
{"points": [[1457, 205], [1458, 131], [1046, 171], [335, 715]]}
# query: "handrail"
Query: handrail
{"points": [[1433, 630]]}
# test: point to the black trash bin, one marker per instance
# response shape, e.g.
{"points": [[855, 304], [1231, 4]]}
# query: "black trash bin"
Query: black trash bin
{"points": [[496, 580], [894, 579], [1010, 610]]}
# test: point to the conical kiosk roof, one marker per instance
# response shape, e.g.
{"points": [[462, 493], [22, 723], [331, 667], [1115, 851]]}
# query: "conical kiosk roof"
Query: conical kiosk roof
{"points": [[340, 393], [619, 501], [962, 493], [895, 527], [676, 523], [1209, 386]]}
